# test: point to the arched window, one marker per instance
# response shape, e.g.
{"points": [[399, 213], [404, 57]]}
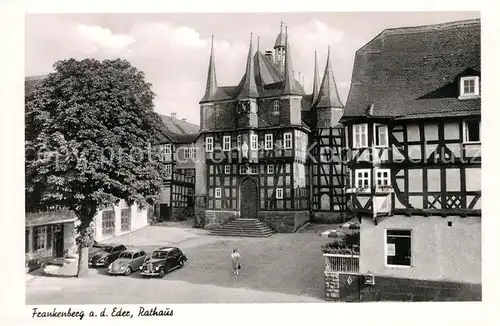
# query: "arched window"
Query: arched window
{"points": [[325, 202]]}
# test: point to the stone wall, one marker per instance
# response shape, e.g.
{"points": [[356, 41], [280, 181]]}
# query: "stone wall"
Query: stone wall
{"points": [[329, 217], [403, 289], [332, 286], [267, 117], [397, 289], [284, 221], [200, 206], [214, 219], [182, 213]]}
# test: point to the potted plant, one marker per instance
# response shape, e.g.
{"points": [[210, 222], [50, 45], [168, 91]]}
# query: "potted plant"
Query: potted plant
{"points": [[384, 188], [363, 189]]}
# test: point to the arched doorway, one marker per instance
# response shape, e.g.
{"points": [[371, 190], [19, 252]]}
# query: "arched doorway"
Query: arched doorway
{"points": [[249, 199]]}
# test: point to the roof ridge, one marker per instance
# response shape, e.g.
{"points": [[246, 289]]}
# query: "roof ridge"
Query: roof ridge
{"points": [[432, 27], [169, 117]]}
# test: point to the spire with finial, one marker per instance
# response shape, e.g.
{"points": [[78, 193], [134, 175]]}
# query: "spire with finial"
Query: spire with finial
{"points": [[289, 84], [248, 87], [279, 49], [316, 81], [328, 96], [211, 87]]}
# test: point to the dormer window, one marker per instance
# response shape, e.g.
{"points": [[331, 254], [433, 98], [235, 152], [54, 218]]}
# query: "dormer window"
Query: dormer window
{"points": [[469, 87]]}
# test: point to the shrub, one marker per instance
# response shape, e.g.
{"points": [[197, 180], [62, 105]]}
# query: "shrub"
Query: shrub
{"points": [[348, 244]]}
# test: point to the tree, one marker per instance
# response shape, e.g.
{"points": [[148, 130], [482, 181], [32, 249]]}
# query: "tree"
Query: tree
{"points": [[90, 135]]}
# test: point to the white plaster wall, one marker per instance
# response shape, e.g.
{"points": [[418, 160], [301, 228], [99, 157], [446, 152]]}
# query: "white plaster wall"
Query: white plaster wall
{"points": [[70, 234], [165, 195], [139, 219], [439, 252]]}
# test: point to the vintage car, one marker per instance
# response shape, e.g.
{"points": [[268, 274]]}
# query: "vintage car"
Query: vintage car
{"points": [[162, 261], [101, 255], [129, 261]]}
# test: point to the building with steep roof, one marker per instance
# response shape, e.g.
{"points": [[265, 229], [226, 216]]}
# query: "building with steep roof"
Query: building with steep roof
{"points": [[255, 138], [412, 124], [179, 153]]}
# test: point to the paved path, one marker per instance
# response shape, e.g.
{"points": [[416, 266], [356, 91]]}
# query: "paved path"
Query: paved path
{"points": [[122, 290]]}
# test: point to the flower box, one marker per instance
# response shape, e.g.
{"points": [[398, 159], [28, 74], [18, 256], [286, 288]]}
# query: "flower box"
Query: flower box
{"points": [[384, 189]]}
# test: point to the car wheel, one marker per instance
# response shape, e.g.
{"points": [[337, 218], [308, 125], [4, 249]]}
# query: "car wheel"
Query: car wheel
{"points": [[128, 271], [181, 263], [161, 272]]}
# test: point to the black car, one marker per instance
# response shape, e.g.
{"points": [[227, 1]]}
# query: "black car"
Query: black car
{"points": [[162, 261], [101, 255]]}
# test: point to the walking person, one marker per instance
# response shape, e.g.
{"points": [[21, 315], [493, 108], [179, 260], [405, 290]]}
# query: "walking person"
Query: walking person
{"points": [[235, 256]]}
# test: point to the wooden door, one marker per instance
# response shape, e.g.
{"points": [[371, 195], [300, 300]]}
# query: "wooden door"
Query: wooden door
{"points": [[249, 199], [164, 212], [58, 236]]}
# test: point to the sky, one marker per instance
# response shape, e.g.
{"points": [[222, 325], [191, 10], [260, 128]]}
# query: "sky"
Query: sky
{"points": [[173, 49]]}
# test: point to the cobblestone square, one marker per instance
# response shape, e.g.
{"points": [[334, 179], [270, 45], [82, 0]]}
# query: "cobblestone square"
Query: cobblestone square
{"points": [[282, 268]]}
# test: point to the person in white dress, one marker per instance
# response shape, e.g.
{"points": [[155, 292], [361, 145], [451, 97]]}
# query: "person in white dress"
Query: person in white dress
{"points": [[235, 257]]}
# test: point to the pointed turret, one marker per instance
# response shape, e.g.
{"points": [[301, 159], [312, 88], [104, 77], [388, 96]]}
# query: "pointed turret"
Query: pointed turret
{"points": [[248, 87], [316, 81], [328, 96], [211, 87], [279, 50], [289, 84]]}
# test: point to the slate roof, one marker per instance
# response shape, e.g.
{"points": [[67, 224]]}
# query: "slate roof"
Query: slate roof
{"points": [[247, 88], [267, 76], [180, 131], [290, 84], [316, 80], [328, 95], [211, 87], [280, 40], [266, 72], [413, 72]]}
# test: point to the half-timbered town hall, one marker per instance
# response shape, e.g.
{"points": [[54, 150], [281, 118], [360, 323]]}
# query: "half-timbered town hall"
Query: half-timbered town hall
{"points": [[256, 137]]}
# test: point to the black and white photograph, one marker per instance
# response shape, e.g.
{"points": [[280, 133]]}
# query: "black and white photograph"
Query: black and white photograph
{"points": [[177, 158]]}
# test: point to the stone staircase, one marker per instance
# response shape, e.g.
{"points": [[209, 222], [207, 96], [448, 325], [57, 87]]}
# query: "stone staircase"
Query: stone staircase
{"points": [[244, 227]]}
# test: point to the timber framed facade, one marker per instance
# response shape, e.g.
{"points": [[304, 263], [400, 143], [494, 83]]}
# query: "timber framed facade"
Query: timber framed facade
{"points": [[412, 129], [179, 153], [267, 145], [433, 169]]}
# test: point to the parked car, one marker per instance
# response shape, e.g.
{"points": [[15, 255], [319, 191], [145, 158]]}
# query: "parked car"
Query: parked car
{"points": [[353, 224], [101, 255], [162, 261], [129, 261]]}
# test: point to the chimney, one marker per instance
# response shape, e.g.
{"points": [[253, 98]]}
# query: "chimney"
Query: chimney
{"points": [[184, 119], [173, 115], [269, 55]]}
